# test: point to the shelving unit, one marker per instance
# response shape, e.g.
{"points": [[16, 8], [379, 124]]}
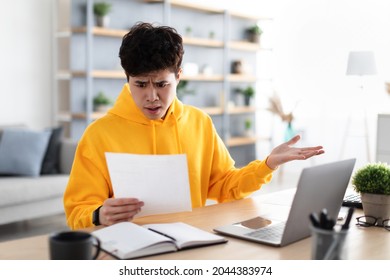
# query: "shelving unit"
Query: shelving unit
{"points": [[84, 75]]}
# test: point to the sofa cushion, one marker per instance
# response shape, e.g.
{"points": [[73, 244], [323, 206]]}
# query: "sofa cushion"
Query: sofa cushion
{"points": [[22, 190], [50, 164], [22, 151]]}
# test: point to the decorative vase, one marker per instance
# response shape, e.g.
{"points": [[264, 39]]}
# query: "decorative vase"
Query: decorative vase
{"points": [[376, 205], [102, 108], [289, 132], [102, 21], [254, 38], [247, 100]]}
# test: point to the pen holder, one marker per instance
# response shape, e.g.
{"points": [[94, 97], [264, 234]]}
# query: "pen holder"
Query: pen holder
{"points": [[328, 244]]}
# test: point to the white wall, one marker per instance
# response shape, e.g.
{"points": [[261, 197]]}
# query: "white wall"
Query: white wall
{"points": [[25, 62], [310, 39]]}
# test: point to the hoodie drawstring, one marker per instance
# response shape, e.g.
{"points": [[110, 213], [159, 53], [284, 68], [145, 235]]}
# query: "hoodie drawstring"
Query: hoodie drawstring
{"points": [[180, 150], [154, 139], [177, 135]]}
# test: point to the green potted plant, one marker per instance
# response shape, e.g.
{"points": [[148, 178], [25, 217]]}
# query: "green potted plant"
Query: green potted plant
{"points": [[182, 90], [101, 11], [101, 103], [254, 32], [248, 127], [188, 31], [248, 93], [372, 182]]}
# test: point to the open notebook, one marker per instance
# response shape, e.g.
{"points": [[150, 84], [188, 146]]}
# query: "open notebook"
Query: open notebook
{"points": [[319, 187], [127, 240]]}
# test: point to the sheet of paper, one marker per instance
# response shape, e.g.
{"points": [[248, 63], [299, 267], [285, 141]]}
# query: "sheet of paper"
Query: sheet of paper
{"points": [[161, 181]]}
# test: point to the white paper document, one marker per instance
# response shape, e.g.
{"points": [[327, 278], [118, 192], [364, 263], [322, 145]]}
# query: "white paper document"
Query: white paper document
{"points": [[160, 181]]}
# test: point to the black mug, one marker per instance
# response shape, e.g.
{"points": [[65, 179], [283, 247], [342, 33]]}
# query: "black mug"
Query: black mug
{"points": [[73, 245]]}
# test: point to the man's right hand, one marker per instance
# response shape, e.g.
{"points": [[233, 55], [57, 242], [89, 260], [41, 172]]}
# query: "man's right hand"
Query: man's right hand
{"points": [[115, 210]]}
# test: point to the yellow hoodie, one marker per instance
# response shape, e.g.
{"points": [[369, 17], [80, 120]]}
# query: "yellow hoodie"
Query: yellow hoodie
{"points": [[185, 129]]}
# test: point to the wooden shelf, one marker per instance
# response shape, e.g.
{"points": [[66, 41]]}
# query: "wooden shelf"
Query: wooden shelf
{"points": [[241, 110], [205, 78], [240, 141], [102, 74], [83, 116], [100, 31], [242, 78], [191, 6], [66, 116], [248, 16], [63, 75], [203, 42], [118, 74], [213, 110], [244, 46]]}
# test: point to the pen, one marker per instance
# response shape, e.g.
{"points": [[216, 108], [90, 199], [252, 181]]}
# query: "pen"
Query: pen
{"points": [[325, 221], [345, 226], [166, 235], [324, 218], [314, 220]]}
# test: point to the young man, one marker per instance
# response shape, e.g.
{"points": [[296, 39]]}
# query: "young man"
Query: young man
{"points": [[147, 118]]}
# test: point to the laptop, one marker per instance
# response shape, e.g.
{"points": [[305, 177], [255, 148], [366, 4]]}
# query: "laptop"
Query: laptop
{"points": [[319, 187]]}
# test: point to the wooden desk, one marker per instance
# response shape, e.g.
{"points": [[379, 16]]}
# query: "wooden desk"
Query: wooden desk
{"points": [[362, 243]]}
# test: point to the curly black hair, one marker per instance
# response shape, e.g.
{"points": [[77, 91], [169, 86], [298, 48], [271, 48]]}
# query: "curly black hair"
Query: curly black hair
{"points": [[147, 48]]}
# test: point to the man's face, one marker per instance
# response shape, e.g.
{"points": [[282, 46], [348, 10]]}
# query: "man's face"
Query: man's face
{"points": [[154, 92]]}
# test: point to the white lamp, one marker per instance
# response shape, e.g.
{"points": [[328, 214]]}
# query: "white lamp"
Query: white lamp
{"points": [[360, 63]]}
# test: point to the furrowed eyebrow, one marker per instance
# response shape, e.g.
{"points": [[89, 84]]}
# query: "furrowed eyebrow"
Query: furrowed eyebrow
{"points": [[161, 82]]}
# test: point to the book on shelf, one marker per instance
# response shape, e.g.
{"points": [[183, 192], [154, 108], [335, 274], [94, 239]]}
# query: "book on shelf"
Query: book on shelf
{"points": [[127, 240]]}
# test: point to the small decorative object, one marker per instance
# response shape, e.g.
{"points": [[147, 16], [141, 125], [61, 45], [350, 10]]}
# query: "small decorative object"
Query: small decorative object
{"points": [[182, 90], [237, 67], [387, 87], [248, 128], [372, 182], [188, 31], [254, 33], [190, 69], [101, 103], [248, 93], [289, 132], [211, 35], [277, 108], [101, 11], [207, 70]]}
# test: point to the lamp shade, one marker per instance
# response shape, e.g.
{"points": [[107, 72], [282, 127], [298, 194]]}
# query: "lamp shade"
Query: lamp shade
{"points": [[361, 63]]}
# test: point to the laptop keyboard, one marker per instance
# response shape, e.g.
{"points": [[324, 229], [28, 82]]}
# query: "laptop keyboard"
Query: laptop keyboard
{"points": [[353, 200], [274, 232]]}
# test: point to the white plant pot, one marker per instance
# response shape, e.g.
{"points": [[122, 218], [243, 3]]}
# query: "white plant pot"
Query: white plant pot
{"points": [[102, 108], [103, 21], [376, 205]]}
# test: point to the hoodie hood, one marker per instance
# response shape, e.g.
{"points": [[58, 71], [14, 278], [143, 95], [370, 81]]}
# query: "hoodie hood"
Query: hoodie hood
{"points": [[126, 108]]}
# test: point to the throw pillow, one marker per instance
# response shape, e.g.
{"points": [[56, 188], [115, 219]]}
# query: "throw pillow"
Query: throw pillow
{"points": [[22, 151], [50, 164]]}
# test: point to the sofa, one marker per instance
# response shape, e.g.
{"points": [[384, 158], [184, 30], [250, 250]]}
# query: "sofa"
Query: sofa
{"points": [[26, 197]]}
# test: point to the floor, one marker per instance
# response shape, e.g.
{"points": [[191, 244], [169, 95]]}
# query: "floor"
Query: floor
{"points": [[52, 224]]}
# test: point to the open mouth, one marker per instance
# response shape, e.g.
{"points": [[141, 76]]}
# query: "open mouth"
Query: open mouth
{"points": [[153, 109]]}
